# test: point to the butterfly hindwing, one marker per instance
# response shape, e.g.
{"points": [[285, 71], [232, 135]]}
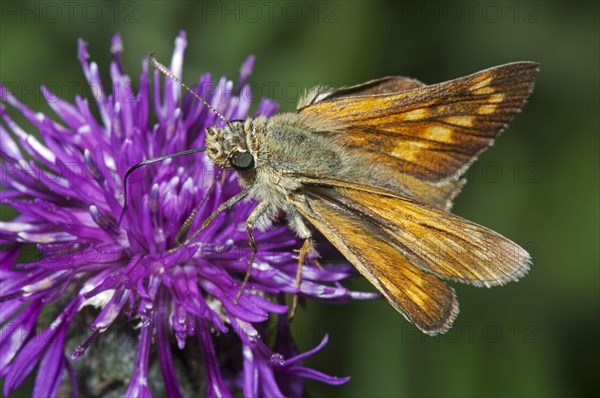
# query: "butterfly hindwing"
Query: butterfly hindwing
{"points": [[422, 298], [405, 248]]}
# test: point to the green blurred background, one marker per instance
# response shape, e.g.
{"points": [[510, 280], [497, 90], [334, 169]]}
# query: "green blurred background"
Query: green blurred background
{"points": [[539, 184]]}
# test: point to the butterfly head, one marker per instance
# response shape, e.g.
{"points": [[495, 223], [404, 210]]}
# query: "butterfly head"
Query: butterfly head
{"points": [[228, 146]]}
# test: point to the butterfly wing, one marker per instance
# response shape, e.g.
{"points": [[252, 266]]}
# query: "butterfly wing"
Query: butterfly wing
{"points": [[422, 298], [426, 136], [431, 132], [405, 248]]}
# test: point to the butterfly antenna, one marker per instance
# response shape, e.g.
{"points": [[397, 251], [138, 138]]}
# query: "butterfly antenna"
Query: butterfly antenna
{"points": [[133, 168], [170, 75]]}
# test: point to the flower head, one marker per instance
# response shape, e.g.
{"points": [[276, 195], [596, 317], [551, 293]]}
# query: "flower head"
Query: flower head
{"points": [[67, 190]]}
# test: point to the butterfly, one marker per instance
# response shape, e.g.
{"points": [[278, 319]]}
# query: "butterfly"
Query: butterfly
{"points": [[375, 168]]}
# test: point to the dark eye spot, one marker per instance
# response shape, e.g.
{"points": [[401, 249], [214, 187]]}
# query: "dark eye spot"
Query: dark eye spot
{"points": [[242, 161]]}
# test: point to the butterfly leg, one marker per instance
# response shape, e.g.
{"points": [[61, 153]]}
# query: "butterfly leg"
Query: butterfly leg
{"points": [[308, 247], [259, 211], [224, 206], [188, 222], [186, 227]]}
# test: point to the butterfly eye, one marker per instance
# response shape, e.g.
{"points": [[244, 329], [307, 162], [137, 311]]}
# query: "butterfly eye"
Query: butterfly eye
{"points": [[242, 161]]}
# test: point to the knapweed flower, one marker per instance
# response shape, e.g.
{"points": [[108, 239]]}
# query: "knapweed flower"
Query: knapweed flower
{"points": [[67, 261]]}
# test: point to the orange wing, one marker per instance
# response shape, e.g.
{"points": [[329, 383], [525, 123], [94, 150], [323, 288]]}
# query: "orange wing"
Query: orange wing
{"points": [[402, 247], [431, 132], [422, 298]]}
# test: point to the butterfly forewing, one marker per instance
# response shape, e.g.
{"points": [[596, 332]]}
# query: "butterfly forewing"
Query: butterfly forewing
{"points": [[432, 132]]}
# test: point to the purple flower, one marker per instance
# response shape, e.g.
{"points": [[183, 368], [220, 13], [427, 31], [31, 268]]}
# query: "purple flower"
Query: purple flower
{"points": [[65, 254]]}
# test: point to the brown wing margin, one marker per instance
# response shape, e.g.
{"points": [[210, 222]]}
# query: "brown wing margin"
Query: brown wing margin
{"points": [[433, 132], [422, 298]]}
